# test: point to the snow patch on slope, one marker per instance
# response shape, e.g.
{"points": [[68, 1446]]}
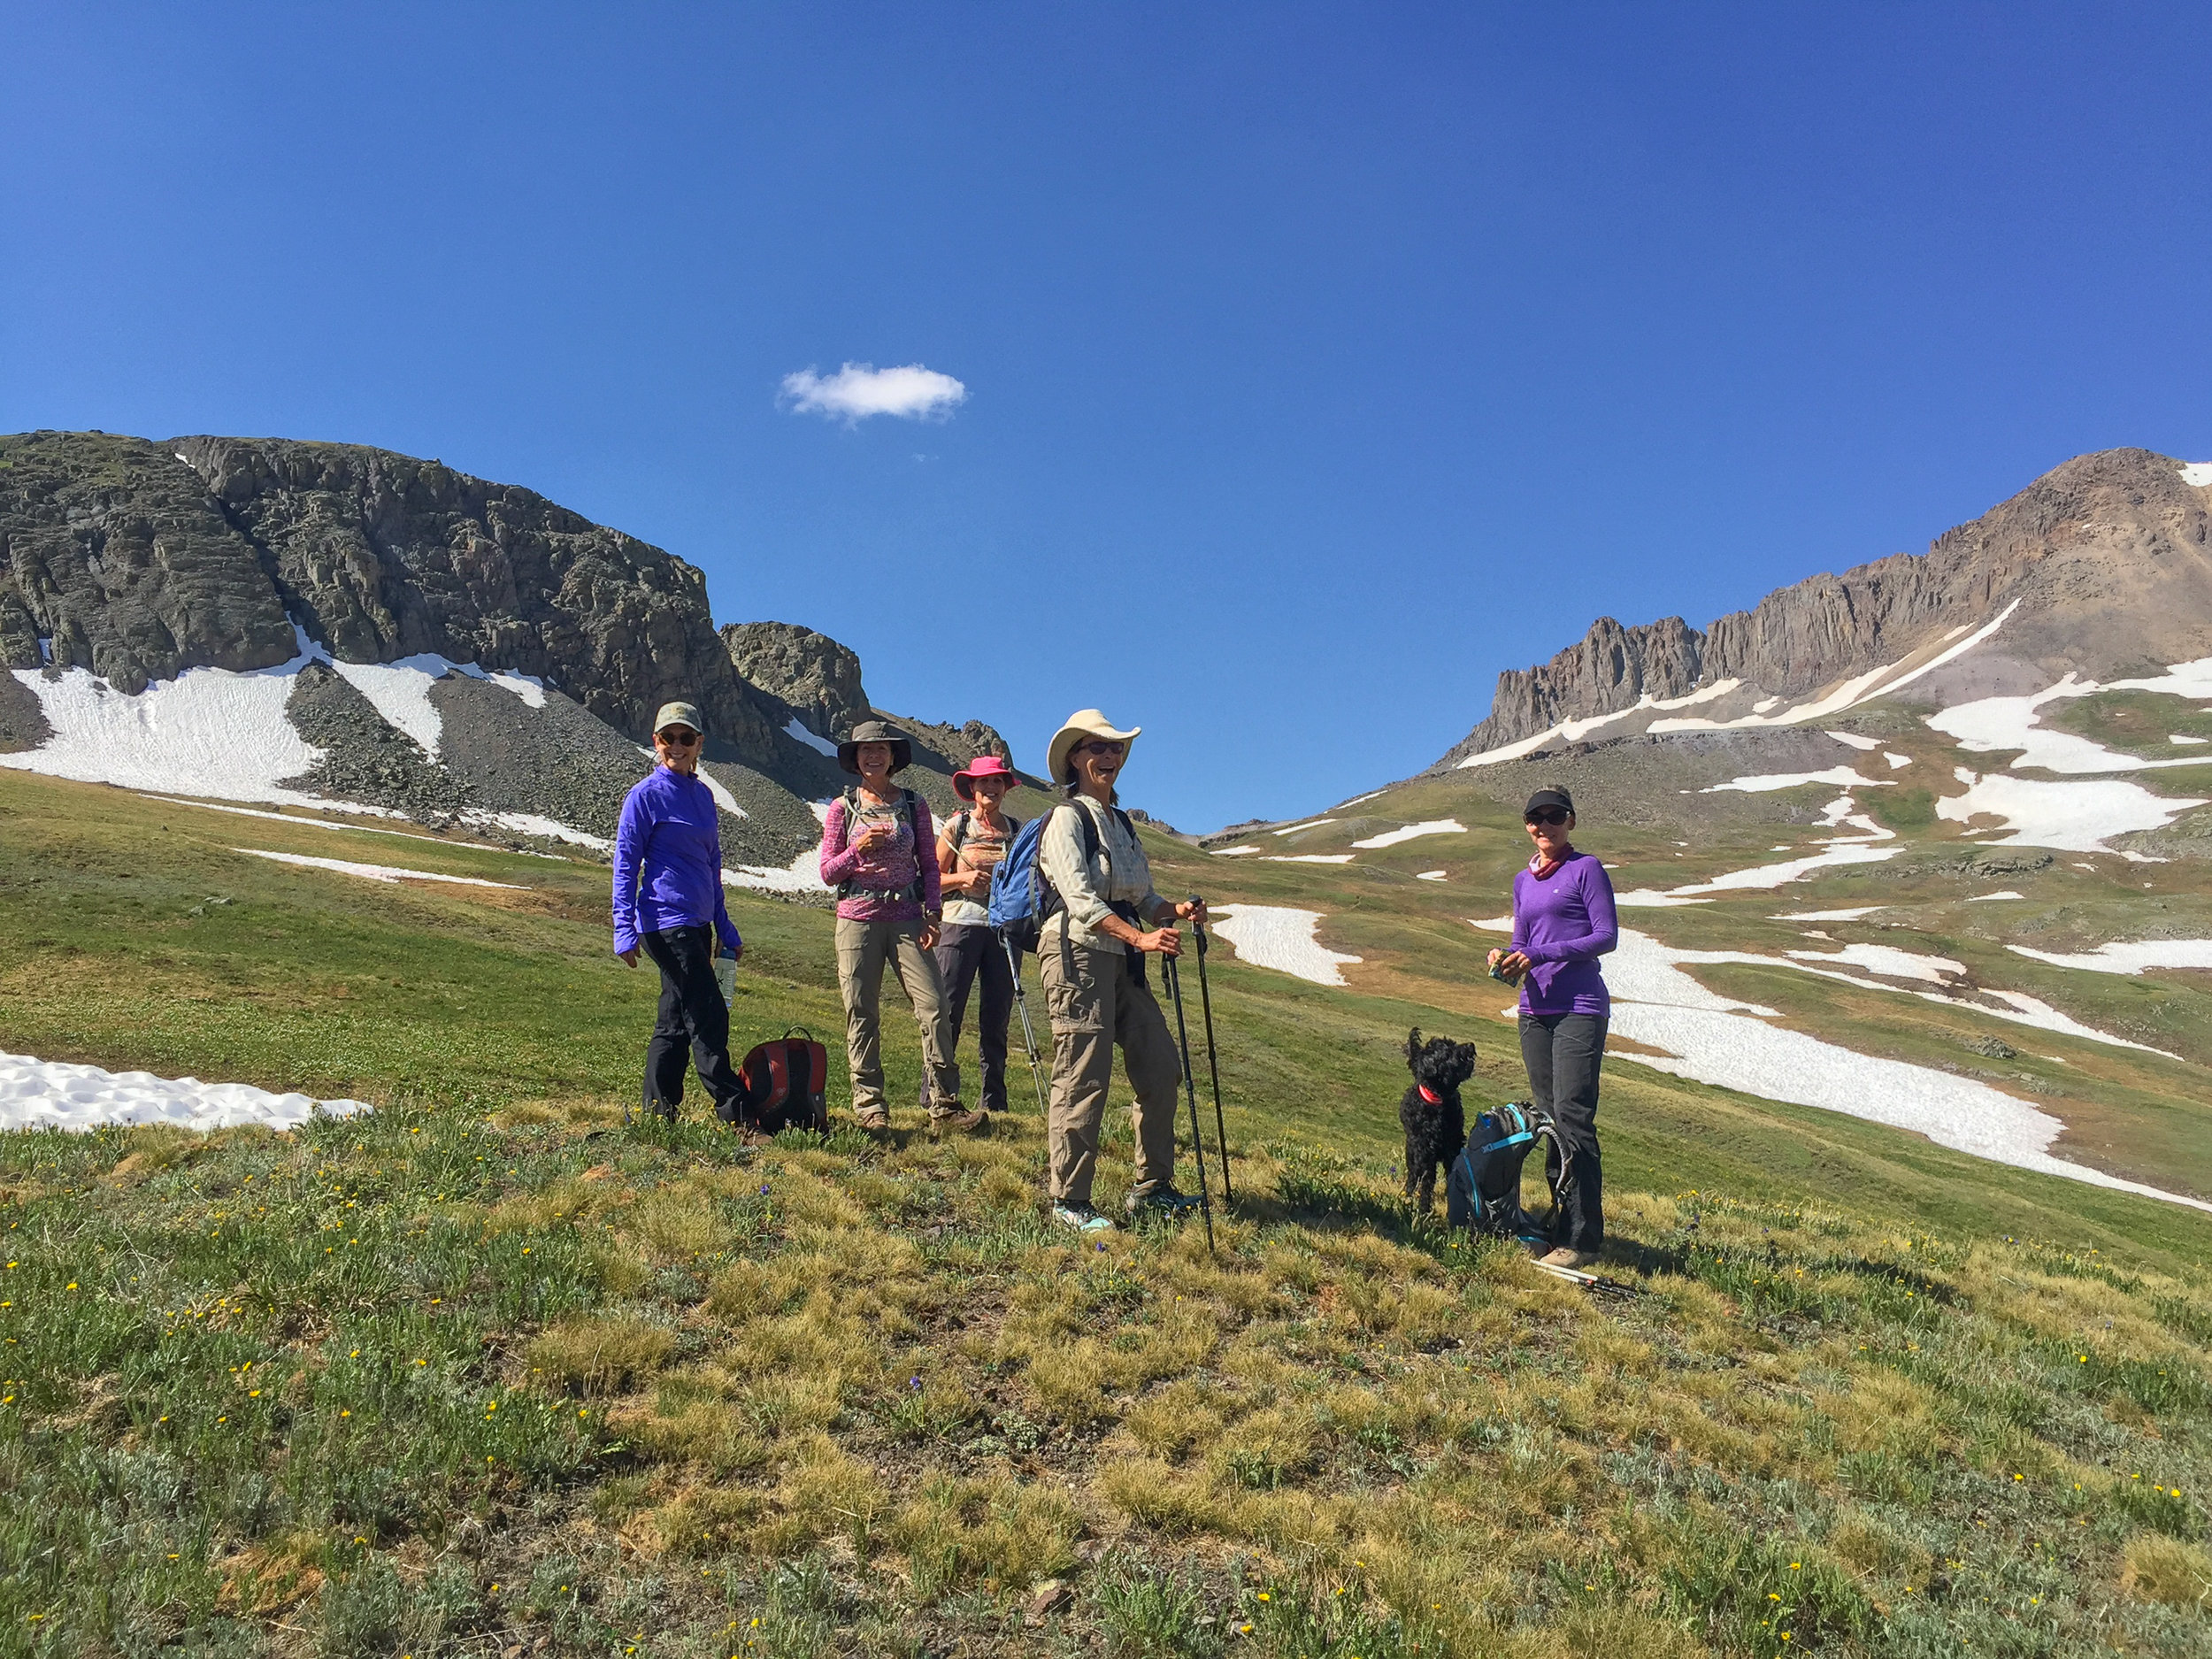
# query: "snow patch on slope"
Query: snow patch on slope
{"points": [[819, 745], [1411, 832], [1715, 1040], [50, 1094], [2119, 958], [2074, 816], [373, 872], [1279, 937]]}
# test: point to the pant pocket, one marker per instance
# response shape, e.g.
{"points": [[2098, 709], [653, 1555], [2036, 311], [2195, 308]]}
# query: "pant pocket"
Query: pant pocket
{"points": [[1074, 1001]]}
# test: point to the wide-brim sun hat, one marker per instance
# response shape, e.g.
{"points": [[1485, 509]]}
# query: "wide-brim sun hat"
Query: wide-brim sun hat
{"points": [[875, 732], [1082, 723], [963, 781]]}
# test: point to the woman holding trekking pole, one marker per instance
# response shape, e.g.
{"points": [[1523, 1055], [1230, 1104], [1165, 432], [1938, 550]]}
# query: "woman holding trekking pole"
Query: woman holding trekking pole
{"points": [[1563, 922], [1091, 952], [968, 850], [879, 853], [668, 902]]}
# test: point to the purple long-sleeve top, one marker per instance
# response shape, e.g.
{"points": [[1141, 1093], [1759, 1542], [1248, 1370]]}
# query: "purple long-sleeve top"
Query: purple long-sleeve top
{"points": [[668, 860], [882, 879], [1563, 925]]}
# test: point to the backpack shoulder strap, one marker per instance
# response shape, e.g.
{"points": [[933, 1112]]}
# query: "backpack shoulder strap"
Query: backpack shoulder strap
{"points": [[956, 831]]}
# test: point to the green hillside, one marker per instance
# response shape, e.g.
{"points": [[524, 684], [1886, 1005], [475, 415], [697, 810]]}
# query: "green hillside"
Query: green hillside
{"points": [[487, 1372]]}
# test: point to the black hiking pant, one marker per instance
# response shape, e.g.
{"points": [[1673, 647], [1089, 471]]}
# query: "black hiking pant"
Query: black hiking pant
{"points": [[967, 953], [693, 1017], [1562, 1052]]}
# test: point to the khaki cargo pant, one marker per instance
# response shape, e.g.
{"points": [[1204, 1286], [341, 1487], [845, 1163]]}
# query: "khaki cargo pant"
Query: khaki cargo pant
{"points": [[863, 950], [1096, 1002]]}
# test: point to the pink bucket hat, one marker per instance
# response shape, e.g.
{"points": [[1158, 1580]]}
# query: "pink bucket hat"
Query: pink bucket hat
{"points": [[981, 766]]}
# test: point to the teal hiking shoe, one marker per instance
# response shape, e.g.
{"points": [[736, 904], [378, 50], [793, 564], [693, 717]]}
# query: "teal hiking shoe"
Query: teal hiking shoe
{"points": [[1082, 1217]]}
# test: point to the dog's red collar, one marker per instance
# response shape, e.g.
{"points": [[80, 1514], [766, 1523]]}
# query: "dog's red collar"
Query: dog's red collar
{"points": [[1430, 1094]]}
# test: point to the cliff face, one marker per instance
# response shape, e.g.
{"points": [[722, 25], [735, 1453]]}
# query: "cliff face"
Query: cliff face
{"points": [[817, 679], [137, 560], [2107, 554]]}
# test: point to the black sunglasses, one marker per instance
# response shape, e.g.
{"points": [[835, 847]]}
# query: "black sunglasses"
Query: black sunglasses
{"points": [[1547, 815], [677, 740]]}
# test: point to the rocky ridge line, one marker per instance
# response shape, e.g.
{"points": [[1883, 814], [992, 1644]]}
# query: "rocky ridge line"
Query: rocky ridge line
{"points": [[2108, 554]]}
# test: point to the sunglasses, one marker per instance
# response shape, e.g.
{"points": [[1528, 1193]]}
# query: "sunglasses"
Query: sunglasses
{"points": [[1098, 746], [677, 739], [1549, 816]]}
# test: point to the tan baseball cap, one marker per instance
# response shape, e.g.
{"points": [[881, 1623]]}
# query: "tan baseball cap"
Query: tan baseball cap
{"points": [[679, 714]]}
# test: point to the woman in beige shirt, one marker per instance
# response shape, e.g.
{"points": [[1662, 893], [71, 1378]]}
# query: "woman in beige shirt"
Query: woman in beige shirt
{"points": [[1105, 920]]}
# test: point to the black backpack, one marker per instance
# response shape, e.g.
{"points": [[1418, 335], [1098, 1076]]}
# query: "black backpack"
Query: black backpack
{"points": [[1483, 1190]]}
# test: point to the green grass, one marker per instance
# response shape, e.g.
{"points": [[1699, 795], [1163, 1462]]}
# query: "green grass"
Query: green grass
{"points": [[486, 1369]]}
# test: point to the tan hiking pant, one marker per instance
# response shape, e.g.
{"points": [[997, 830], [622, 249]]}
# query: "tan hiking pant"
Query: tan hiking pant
{"points": [[1096, 1002], [863, 948]]}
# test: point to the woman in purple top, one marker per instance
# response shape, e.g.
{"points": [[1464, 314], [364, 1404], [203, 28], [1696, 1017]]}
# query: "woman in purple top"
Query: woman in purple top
{"points": [[879, 850], [1563, 923], [668, 901]]}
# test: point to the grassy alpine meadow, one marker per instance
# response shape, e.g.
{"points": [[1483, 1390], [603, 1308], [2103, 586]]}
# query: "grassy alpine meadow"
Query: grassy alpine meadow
{"points": [[487, 1371]]}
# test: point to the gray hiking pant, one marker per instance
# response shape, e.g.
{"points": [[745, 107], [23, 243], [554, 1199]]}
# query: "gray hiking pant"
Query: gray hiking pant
{"points": [[1095, 1003], [1562, 1053], [863, 948]]}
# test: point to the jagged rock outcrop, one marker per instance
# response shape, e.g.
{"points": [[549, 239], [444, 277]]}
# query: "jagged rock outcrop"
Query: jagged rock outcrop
{"points": [[114, 554], [2109, 555], [817, 679], [957, 745], [139, 560], [383, 555]]}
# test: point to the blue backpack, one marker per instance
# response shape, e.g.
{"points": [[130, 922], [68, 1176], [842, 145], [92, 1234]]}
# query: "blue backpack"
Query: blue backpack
{"points": [[1022, 900]]}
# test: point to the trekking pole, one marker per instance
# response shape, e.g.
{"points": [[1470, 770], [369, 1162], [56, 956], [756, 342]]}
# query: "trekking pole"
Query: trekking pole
{"points": [[1190, 1092], [1213, 1062], [1029, 1037]]}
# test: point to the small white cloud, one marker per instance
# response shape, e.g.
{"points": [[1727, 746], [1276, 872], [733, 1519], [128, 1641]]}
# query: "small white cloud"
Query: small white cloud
{"points": [[861, 390]]}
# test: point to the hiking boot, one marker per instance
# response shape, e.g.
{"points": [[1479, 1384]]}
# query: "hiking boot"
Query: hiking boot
{"points": [[875, 1122], [1160, 1201], [958, 1122], [1563, 1257], [1082, 1217]]}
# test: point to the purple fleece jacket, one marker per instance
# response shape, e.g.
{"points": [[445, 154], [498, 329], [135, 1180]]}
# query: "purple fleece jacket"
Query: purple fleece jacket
{"points": [[668, 860], [1563, 924]]}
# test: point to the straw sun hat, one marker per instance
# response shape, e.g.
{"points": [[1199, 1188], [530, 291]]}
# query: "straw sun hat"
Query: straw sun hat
{"points": [[1082, 723]]}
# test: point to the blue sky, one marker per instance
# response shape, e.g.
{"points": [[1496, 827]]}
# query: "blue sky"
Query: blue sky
{"points": [[1320, 361]]}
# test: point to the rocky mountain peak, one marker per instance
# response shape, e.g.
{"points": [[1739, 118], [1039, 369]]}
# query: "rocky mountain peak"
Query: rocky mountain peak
{"points": [[812, 673], [2107, 557]]}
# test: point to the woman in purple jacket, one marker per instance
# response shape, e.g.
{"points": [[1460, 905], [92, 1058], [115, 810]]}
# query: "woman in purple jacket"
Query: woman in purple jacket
{"points": [[1563, 923], [668, 901]]}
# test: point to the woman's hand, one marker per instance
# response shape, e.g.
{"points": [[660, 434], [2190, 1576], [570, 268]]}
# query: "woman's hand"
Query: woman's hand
{"points": [[1164, 941], [929, 933], [1512, 964], [628, 958]]}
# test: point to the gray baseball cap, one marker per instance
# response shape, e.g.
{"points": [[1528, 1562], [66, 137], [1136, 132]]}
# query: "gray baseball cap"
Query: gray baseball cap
{"points": [[679, 714]]}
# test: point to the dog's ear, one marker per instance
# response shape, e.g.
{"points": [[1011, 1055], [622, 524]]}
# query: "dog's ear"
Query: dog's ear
{"points": [[1413, 1045], [1463, 1063]]}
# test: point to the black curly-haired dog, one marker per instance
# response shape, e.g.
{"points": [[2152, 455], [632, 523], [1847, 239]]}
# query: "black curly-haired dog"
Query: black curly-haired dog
{"points": [[1435, 1126]]}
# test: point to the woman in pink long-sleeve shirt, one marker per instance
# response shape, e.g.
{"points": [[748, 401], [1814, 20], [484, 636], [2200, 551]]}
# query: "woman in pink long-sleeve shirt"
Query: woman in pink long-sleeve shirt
{"points": [[877, 851]]}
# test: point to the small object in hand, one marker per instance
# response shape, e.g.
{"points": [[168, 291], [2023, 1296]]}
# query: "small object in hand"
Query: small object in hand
{"points": [[1498, 971], [726, 973]]}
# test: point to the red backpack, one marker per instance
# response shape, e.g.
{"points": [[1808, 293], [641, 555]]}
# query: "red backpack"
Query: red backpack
{"points": [[786, 1084]]}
